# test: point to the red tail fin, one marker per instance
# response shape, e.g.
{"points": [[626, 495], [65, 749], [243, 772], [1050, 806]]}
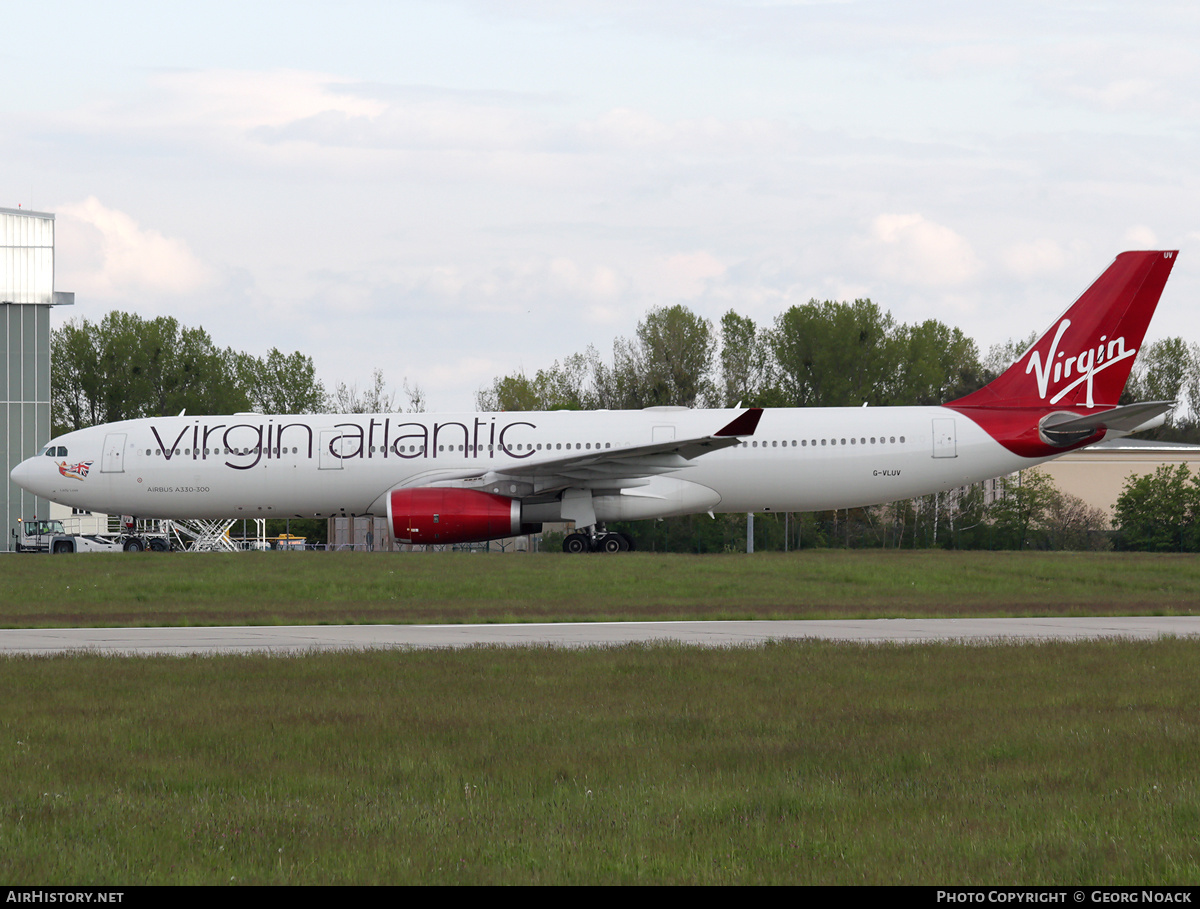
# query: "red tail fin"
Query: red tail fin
{"points": [[1083, 359]]}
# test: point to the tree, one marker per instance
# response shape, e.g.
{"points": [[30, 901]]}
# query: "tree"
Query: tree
{"points": [[1071, 523], [676, 348], [280, 383], [618, 387], [376, 399], [1162, 370], [1192, 389], [1159, 512], [1005, 354], [1027, 498], [937, 363], [125, 367], [745, 362], [834, 354], [415, 395], [77, 398], [509, 393], [564, 386], [666, 363]]}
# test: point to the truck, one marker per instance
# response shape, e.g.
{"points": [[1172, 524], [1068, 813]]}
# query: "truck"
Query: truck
{"points": [[52, 537]]}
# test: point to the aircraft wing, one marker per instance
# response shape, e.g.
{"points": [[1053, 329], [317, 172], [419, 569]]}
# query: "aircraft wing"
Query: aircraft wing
{"points": [[604, 468], [637, 460]]}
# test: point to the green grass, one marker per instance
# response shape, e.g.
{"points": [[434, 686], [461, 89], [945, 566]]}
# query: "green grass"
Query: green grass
{"points": [[789, 763], [793, 763], [336, 588]]}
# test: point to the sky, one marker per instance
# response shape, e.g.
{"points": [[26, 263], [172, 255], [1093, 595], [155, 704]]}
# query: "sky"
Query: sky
{"points": [[455, 190]]}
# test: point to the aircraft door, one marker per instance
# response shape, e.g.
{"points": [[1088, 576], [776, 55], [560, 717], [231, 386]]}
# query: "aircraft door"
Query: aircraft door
{"points": [[113, 458], [945, 443]]}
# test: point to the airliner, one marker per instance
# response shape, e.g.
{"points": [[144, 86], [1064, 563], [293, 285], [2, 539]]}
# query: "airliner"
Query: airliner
{"points": [[470, 477]]}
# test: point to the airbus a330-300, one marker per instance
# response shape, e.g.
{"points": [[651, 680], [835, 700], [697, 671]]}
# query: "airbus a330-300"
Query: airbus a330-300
{"points": [[457, 478]]}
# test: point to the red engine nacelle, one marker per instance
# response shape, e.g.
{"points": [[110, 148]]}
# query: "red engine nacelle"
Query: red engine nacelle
{"points": [[445, 515]]}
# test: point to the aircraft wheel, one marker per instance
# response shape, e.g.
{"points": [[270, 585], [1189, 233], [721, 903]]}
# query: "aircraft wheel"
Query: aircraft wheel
{"points": [[575, 542], [628, 541], [158, 544], [133, 544], [610, 543]]}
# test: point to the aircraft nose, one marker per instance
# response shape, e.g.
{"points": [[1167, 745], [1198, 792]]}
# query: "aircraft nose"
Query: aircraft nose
{"points": [[23, 474]]}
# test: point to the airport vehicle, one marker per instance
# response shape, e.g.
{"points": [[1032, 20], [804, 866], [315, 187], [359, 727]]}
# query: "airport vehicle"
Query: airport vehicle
{"points": [[287, 541], [457, 478], [51, 536]]}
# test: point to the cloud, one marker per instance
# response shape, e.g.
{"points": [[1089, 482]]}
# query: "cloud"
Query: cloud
{"points": [[913, 250], [684, 276], [121, 258], [1140, 237], [1032, 258], [243, 100]]}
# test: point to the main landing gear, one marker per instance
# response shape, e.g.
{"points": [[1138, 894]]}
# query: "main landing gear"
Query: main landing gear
{"points": [[594, 541]]}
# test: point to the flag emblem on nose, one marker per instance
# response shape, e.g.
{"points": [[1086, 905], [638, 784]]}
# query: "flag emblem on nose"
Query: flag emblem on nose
{"points": [[75, 471]]}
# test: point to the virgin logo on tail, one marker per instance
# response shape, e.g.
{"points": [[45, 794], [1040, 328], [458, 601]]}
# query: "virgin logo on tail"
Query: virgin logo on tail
{"points": [[1083, 365], [1070, 363]]}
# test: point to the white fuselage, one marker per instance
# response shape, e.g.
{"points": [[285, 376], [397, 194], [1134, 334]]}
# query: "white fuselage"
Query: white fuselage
{"points": [[249, 465]]}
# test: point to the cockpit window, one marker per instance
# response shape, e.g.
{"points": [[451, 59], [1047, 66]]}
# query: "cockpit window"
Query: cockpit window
{"points": [[55, 452]]}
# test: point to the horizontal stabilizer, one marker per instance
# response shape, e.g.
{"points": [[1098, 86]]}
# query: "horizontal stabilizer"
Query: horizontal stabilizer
{"points": [[1065, 429]]}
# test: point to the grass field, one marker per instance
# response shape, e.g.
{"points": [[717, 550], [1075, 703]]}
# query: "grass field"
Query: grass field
{"points": [[795, 763], [804, 762], [337, 588]]}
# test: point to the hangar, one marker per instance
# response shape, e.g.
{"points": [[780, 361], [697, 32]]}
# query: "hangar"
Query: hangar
{"points": [[26, 295]]}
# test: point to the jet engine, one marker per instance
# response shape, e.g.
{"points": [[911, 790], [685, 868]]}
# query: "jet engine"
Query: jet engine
{"points": [[437, 515]]}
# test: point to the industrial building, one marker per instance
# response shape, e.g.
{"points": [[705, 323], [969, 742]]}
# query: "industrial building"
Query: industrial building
{"points": [[26, 295]]}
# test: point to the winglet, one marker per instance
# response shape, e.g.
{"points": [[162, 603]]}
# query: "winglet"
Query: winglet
{"points": [[743, 424]]}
